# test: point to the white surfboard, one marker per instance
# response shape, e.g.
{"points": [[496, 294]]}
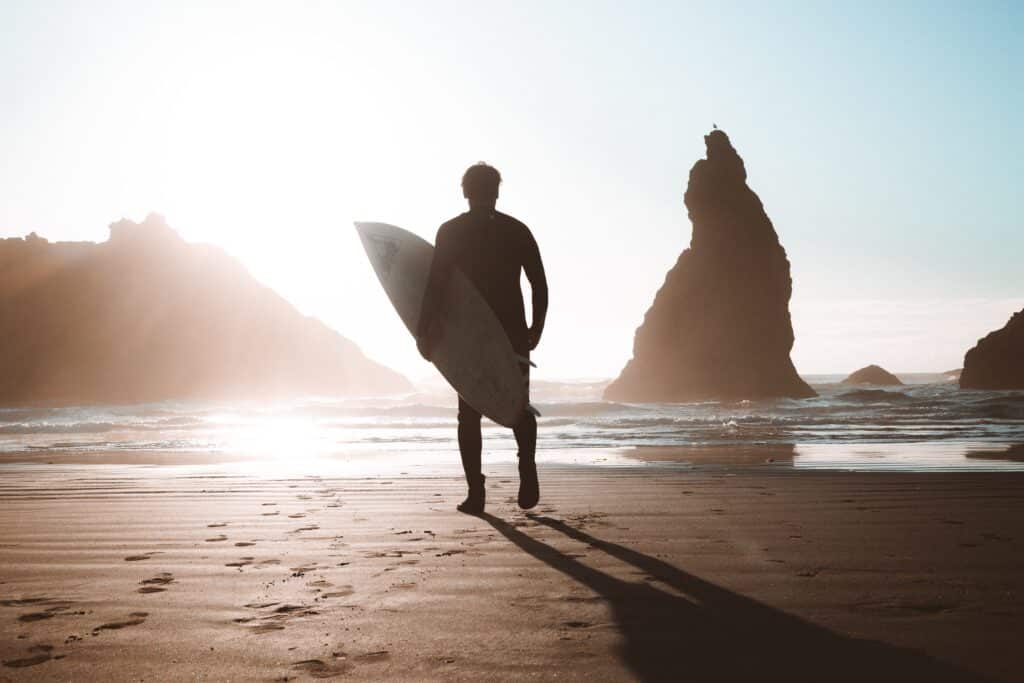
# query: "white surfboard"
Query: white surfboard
{"points": [[472, 350]]}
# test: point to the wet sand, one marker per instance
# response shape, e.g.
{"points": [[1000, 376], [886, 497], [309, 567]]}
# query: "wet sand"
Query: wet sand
{"points": [[635, 573]]}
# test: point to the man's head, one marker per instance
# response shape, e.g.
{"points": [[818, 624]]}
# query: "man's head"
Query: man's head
{"points": [[480, 185]]}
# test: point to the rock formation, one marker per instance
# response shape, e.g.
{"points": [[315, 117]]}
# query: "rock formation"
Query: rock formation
{"points": [[873, 374], [997, 360], [146, 316], [719, 327]]}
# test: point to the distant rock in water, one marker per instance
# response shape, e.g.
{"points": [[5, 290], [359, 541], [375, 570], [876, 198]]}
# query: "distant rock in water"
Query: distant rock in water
{"points": [[997, 360], [146, 316], [873, 374], [719, 327], [952, 375]]}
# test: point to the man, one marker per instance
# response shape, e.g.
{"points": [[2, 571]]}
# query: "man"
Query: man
{"points": [[492, 250]]}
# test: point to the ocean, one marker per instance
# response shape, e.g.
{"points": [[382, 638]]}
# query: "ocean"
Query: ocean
{"points": [[927, 424]]}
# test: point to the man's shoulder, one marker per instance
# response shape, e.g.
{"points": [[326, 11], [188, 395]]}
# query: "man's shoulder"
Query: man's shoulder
{"points": [[451, 222], [513, 223], [452, 225], [457, 220]]}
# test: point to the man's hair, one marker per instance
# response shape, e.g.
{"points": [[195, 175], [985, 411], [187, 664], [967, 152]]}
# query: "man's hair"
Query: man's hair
{"points": [[480, 181]]}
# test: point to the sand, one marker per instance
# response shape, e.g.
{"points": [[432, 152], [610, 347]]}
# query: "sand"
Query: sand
{"points": [[632, 573]]}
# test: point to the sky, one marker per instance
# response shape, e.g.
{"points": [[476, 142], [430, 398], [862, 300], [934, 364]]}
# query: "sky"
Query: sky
{"points": [[884, 139]]}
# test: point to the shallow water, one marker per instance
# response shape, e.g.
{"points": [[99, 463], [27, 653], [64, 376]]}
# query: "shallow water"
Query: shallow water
{"points": [[930, 424]]}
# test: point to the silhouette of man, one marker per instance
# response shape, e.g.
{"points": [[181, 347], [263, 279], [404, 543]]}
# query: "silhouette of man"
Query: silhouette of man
{"points": [[492, 250]]}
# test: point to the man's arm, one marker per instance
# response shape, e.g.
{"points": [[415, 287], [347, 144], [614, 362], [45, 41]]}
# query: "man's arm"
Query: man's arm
{"points": [[534, 268], [440, 271]]}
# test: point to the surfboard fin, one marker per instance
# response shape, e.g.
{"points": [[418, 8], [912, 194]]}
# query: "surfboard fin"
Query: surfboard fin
{"points": [[530, 409], [525, 361]]}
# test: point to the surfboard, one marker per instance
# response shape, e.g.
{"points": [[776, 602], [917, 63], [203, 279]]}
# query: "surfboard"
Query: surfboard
{"points": [[472, 350]]}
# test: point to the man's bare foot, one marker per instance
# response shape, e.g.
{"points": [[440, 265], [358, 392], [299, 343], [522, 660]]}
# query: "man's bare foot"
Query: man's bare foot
{"points": [[529, 487], [474, 503]]}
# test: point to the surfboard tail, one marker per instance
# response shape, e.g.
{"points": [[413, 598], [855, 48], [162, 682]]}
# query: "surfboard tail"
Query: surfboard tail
{"points": [[533, 411]]}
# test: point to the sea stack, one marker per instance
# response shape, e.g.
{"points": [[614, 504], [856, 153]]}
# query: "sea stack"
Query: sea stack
{"points": [[719, 327], [874, 375], [997, 360], [146, 316]]}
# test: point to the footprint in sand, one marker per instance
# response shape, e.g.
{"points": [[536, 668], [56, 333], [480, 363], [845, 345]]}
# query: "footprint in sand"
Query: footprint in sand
{"points": [[243, 562], [57, 608], [297, 515], [577, 624], [244, 544], [143, 556], [216, 525], [157, 583], [276, 619], [311, 527], [292, 609], [269, 504], [318, 668], [270, 514], [340, 592], [377, 656], [22, 602], [216, 539], [37, 655], [303, 569], [134, 619]]}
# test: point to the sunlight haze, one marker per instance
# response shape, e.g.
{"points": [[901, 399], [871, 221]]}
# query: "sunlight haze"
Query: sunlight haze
{"points": [[889, 160]]}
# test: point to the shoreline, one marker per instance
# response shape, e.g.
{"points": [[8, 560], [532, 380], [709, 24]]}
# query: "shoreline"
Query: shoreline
{"points": [[919, 456], [622, 573]]}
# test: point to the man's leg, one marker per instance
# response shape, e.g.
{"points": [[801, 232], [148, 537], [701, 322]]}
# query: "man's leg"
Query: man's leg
{"points": [[526, 438], [470, 446]]}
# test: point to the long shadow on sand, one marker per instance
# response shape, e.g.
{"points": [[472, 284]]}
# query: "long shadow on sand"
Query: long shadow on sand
{"points": [[713, 634]]}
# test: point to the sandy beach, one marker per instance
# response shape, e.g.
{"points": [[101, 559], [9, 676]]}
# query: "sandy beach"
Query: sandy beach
{"points": [[113, 572]]}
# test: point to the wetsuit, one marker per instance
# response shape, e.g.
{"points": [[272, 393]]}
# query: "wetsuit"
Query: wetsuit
{"points": [[492, 250]]}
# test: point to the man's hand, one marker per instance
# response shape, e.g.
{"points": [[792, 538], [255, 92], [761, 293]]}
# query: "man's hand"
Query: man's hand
{"points": [[425, 346], [532, 338]]}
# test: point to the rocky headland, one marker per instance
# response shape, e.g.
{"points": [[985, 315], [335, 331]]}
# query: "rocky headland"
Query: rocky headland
{"points": [[146, 316], [997, 360], [719, 327]]}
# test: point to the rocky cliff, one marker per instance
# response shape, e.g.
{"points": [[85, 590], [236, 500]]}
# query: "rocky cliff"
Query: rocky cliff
{"points": [[997, 360], [146, 316], [873, 374], [719, 327]]}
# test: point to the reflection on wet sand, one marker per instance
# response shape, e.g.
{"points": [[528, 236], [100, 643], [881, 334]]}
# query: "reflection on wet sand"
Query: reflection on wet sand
{"points": [[909, 457]]}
